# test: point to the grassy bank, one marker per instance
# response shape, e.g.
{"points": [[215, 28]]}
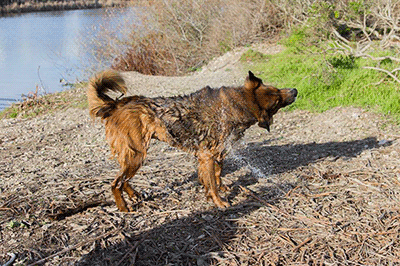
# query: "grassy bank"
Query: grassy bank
{"points": [[33, 104], [326, 79]]}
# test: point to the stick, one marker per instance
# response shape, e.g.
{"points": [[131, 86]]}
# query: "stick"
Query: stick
{"points": [[62, 214], [251, 193], [302, 244], [384, 70], [73, 247], [12, 259]]}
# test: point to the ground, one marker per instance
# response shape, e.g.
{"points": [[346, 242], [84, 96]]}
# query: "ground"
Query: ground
{"points": [[320, 189]]}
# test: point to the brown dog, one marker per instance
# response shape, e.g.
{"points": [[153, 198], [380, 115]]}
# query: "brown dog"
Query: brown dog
{"points": [[201, 123]]}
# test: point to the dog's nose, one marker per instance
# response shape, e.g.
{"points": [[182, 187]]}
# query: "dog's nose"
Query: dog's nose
{"points": [[294, 91]]}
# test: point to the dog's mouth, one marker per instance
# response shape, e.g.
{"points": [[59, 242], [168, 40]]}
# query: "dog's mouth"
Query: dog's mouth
{"points": [[264, 124]]}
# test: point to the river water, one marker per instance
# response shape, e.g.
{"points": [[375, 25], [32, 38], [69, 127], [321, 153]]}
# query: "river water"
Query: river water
{"points": [[46, 50]]}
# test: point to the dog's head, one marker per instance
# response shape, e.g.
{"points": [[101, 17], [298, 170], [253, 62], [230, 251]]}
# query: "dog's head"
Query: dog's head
{"points": [[268, 99]]}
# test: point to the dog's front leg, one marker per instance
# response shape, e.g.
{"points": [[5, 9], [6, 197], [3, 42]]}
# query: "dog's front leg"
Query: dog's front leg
{"points": [[117, 188], [218, 180], [207, 177]]}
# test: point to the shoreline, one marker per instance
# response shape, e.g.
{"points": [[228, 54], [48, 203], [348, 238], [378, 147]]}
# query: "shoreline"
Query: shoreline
{"points": [[28, 7]]}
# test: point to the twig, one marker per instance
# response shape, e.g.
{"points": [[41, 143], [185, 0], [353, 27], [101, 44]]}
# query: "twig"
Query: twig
{"points": [[251, 193], [62, 214], [11, 260], [363, 184], [302, 244], [219, 242], [74, 247], [288, 240], [5, 209], [41, 81], [378, 58]]}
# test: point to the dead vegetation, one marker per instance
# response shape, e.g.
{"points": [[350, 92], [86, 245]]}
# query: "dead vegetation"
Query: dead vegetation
{"points": [[372, 27], [321, 189], [175, 37], [355, 29]]}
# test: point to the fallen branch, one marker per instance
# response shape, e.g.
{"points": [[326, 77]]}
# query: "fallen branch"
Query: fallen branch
{"points": [[74, 247], [63, 213], [377, 58]]}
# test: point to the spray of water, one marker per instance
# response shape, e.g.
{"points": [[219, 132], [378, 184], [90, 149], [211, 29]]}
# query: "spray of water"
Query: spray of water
{"points": [[242, 160]]}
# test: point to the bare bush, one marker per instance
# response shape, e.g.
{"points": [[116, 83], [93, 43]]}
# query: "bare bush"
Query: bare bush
{"points": [[147, 56], [369, 26], [179, 36]]}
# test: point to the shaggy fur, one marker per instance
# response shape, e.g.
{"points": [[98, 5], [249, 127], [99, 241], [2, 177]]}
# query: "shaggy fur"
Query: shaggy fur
{"points": [[201, 123]]}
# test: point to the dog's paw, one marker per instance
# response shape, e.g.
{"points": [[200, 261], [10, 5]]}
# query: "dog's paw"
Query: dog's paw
{"points": [[123, 208], [224, 188], [223, 204]]}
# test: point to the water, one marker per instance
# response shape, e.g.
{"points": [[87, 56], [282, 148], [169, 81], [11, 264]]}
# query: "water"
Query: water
{"points": [[45, 50], [244, 162]]}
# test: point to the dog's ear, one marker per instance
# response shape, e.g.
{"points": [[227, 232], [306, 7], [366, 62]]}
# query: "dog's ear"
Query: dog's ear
{"points": [[252, 82]]}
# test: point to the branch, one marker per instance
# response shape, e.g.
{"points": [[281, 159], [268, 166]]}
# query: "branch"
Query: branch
{"points": [[386, 71], [74, 247]]}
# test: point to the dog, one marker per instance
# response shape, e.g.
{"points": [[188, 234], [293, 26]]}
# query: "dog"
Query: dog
{"points": [[201, 123]]}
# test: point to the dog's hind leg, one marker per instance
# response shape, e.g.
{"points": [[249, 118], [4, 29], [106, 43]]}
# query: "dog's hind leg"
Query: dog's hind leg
{"points": [[131, 160], [132, 194], [116, 188], [218, 180], [207, 176]]}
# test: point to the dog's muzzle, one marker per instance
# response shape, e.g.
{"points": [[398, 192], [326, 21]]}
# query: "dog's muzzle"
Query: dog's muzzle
{"points": [[293, 95]]}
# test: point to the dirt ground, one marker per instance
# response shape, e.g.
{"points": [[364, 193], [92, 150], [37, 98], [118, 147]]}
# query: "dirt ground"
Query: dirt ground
{"points": [[320, 189]]}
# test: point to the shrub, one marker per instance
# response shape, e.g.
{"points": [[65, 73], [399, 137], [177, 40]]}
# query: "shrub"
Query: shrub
{"points": [[173, 37]]}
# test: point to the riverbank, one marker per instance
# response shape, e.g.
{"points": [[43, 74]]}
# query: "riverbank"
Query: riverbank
{"points": [[28, 6]]}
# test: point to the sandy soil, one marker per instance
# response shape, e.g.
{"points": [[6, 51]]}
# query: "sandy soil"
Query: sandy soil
{"points": [[320, 189]]}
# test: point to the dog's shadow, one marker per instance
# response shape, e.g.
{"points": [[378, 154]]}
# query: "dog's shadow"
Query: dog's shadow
{"points": [[263, 159], [201, 237]]}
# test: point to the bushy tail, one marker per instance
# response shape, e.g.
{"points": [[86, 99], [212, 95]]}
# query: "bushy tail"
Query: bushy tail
{"points": [[100, 104]]}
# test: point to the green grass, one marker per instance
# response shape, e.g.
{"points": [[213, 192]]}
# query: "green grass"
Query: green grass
{"points": [[252, 55], [75, 97], [328, 80]]}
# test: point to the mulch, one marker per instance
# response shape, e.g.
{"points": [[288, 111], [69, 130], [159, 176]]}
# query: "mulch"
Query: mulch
{"points": [[321, 189]]}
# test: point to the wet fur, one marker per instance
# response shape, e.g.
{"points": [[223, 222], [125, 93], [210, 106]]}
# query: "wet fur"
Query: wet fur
{"points": [[200, 123]]}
